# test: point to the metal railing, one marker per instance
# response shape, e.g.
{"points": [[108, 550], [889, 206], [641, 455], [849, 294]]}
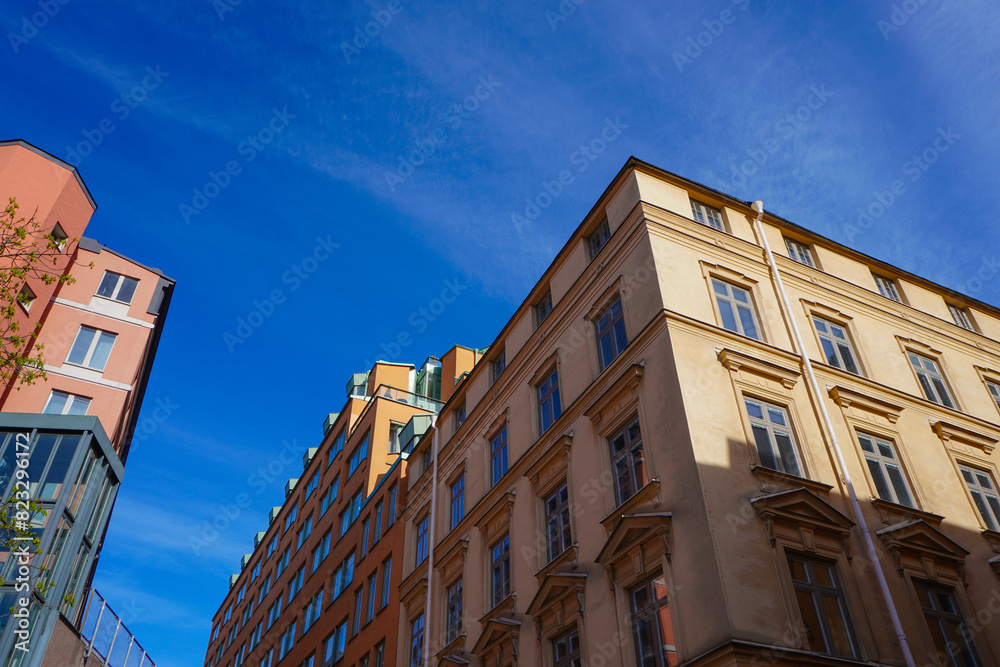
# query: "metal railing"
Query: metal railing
{"points": [[107, 637], [399, 396]]}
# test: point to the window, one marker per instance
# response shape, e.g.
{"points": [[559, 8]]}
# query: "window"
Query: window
{"points": [[994, 392], [272, 547], [948, 628], [566, 649], [823, 607], [247, 612], [265, 588], [735, 309], [338, 446], [343, 577], [543, 308], [707, 215], [296, 585], [282, 562], [258, 630], [292, 513], [394, 431], [321, 551], [773, 437], [498, 455], [836, 345], [377, 529], [117, 287], [800, 252], [334, 645], [386, 578], [599, 239], [610, 329], [256, 571], [352, 511], [457, 501], [379, 655], [390, 517], [364, 536], [25, 297], [268, 659], [305, 531], [273, 612], [59, 237], [238, 660], [417, 642], [500, 568], [886, 472], [459, 415], [931, 380], [984, 495], [370, 612], [498, 365], [242, 593], [232, 634], [330, 496], [61, 403], [887, 287], [652, 626], [287, 641], [359, 601], [359, 454], [422, 540], [557, 522], [91, 348], [310, 661], [961, 317], [627, 461], [549, 407], [312, 485], [312, 611], [454, 615]]}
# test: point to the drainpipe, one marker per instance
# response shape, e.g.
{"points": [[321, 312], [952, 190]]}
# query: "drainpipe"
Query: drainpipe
{"points": [[758, 206], [430, 544]]}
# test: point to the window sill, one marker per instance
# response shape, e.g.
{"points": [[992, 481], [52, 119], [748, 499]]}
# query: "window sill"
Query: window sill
{"points": [[569, 557], [650, 493], [888, 510], [787, 481], [503, 608]]}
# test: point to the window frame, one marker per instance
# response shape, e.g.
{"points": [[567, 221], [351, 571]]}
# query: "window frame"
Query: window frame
{"points": [[810, 587], [835, 343], [991, 522], [765, 422], [557, 511], [421, 531], [417, 638], [800, 252], [548, 399], [879, 459], [543, 308], [732, 301], [651, 611], [499, 553], [116, 290], [599, 237], [454, 599], [498, 365], [888, 287], [616, 326], [457, 501], [704, 216], [627, 453], [69, 403], [573, 657], [962, 317], [498, 456], [938, 373], [88, 355], [959, 617]]}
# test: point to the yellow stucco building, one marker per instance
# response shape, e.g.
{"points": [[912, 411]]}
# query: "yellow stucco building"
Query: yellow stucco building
{"points": [[642, 471]]}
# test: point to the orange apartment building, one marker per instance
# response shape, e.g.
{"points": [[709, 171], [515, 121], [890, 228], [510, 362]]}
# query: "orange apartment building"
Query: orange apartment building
{"points": [[100, 334], [322, 583]]}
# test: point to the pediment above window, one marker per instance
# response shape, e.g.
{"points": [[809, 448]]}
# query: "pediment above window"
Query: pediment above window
{"points": [[413, 591], [847, 398], [952, 435], [498, 641], [559, 599], [452, 562], [921, 545], [800, 516], [642, 501], [453, 660], [551, 466], [737, 362], [636, 542], [618, 402], [496, 521]]}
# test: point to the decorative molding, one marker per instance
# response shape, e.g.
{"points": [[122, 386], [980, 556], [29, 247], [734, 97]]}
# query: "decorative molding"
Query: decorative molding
{"points": [[847, 398], [800, 515], [922, 546], [552, 464], [772, 481], [620, 397], [568, 560], [631, 536], [736, 361], [452, 562], [496, 520], [951, 433], [891, 513], [647, 495]]}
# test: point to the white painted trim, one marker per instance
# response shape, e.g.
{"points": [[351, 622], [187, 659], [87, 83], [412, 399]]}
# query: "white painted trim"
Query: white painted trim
{"points": [[87, 375], [103, 313]]}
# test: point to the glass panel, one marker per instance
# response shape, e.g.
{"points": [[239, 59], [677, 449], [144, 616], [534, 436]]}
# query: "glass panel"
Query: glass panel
{"points": [[820, 325], [881, 487], [810, 620], [849, 365], [764, 450], [839, 634], [55, 477], [866, 444], [127, 289], [80, 346], [787, 452], [899, 484], [776, 417], [727, 315], [943, 393], [749, 325], [829, 352], [719, 287], [102, 351], [754, 409]]}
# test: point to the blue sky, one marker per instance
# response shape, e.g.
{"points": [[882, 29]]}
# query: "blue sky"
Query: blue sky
{"points": [[243, 149]]}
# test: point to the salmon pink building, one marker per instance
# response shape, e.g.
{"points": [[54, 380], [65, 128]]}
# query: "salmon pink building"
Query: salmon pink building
{"points": [[98, 335]]}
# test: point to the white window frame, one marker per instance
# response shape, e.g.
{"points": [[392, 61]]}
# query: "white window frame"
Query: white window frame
{"points": [[735, 305], [543, 308], [25, 297], [598, 239], [878, 460], [936, 392], [961, 317], [88, 356], [707, 215], [800, 252], [988, 507], [773, 429], [887, 287], [614, 314], [116, 290], [69, 401], [836, 343]]}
